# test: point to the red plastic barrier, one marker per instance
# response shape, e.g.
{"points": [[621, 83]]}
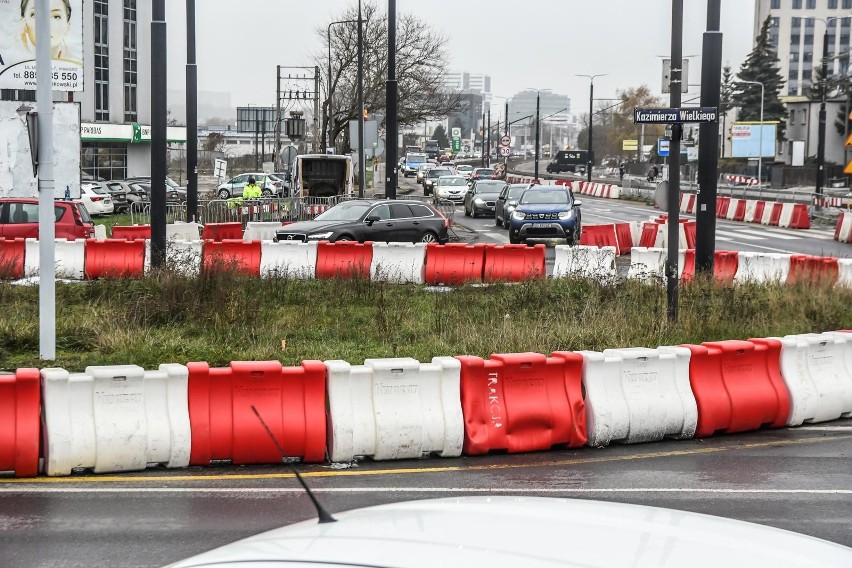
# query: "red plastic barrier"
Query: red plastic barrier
{"points": [[816, 269], [739, 212], [758, 212], [522, 402], [836, 229], [689, 231], [623, 238], [800, 218], [346, 259], [12, 258], [454, 264], [222, 231], [232, 255], [725, 265], [649, 235], [513, 263], [688, 272], [114, 258], [132, 232], [20, 399], [775, 218], [722, 204], [738, 386], [600, 236], [291, 400]]}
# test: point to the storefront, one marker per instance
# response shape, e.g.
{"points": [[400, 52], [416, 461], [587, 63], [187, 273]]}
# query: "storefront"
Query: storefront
{"points": [[119, 151]]}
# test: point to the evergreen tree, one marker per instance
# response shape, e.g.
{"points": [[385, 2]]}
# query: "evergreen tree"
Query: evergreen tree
{"points": [[761, 65], [726, 101], [440, 134]]}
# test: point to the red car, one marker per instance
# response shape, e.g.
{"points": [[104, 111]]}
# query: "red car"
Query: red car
{"points": [[19, 219]]}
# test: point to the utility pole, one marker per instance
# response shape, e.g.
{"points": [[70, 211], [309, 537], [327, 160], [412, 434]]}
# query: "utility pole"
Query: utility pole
{"points": [[820, 180], [591, 161], [191, 116], [537, 130], [482, 139], [392, 130], [159, 62], [488, 149], [674, 171], [362, 172], [708, 149]]}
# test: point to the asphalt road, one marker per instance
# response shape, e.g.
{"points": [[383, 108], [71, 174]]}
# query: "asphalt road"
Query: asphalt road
{"points": [[797, 479]]}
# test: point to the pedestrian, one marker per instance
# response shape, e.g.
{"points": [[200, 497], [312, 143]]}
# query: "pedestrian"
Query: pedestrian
{"points": [[251, 191], [621, 171]]}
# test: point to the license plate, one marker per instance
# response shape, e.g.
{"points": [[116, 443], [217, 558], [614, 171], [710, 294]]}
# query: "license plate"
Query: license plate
{"points": [[541, 225]]}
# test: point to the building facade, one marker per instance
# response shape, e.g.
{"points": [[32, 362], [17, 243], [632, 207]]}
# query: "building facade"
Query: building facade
{"points": [[469, 83]]}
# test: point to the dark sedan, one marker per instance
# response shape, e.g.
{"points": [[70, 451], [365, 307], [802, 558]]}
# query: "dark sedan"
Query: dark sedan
{"points": [[371, 220], [482, 197]]}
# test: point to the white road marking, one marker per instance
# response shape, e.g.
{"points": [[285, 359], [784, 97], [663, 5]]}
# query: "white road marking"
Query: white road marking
{"points": [[517, 490], [764, 235], [739, 236], [826, 428]]}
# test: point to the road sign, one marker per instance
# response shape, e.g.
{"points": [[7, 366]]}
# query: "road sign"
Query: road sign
{"points": [[505, 140], [456, 132], [667, 76], [663, 147], [220, 168], [456, 144], [505, 151], [629, 145], [675, 115]]}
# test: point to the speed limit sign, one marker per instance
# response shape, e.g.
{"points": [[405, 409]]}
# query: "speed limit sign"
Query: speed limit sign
{"points": [[505, 151], [505, 140]]}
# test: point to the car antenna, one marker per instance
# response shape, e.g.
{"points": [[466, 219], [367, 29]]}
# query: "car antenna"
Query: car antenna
{"points": [[324, 516]]}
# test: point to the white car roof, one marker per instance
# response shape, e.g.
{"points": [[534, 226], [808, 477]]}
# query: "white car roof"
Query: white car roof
{"points": [[527, 532]]}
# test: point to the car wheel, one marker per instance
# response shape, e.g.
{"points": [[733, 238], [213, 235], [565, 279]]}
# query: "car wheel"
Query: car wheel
{"points": [[266, 193], [224, 194], [466, 212], [429, 237], [343, 239], [474, 214], [497, 221]]}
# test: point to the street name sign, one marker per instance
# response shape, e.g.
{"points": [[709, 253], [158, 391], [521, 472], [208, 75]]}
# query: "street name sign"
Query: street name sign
{"points": [[675, 115]]}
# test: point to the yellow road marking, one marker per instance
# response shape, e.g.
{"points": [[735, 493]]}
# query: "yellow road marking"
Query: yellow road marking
{"points": [[419, 470]]}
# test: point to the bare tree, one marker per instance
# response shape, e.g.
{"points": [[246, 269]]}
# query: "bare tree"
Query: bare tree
{"points": [[420, 59]]}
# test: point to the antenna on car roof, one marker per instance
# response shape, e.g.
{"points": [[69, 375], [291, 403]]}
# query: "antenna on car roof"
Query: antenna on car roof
{"points": [[324, 516]]}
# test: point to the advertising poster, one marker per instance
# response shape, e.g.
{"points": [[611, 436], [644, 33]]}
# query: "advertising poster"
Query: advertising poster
{"points": [[17, 44], [746, 139]]}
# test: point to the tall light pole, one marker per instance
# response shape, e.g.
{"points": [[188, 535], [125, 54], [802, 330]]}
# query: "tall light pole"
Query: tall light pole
{"points": [[760, 152], [537, 130], [191, 116], [391, 124], [330, 88], [591, 162], [159, 168], [362, 163]]}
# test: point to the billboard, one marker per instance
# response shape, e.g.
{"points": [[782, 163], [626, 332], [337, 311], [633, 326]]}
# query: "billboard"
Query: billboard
{"points": [[17, 44], [16, 170], [746, 139]]}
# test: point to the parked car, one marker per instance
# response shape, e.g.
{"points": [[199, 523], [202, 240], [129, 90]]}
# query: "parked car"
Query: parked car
{"points": [[452, 188], [281, 180], [132, 192], [481, 173], [431, 176], [482, 197], [96, 199], [546, 212], [141, 192], [371, 220], [510, 531], [234, 186], [118, 193], [421, 171], [19, 219], [172, 187], [506, 203], [465, 170]]}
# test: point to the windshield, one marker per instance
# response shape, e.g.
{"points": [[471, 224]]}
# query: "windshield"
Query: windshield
{"points": [[415, 158], [452, 181], [484, 172], [171, 183], [464, 168], [515, 191], [344, 212], [547, 197], [98, 189], [438, 172]]}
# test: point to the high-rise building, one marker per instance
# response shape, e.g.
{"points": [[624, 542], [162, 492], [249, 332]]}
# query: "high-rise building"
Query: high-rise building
{"points": [[797, 29], [469, 83]]}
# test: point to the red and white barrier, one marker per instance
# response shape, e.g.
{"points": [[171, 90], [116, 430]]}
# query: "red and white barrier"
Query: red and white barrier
{"points": [[742, 180], [843, 232]]}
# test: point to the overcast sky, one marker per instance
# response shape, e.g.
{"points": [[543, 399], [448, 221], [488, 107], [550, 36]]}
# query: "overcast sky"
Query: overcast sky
{"points": [[538, 44]]}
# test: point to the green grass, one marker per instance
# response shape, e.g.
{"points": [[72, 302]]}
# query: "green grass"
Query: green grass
{"points": [[222, 317], [111, 220]]}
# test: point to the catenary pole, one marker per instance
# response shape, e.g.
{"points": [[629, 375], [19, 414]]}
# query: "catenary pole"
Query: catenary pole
{"points": [[191, 116], [674, 170], [392, 126], [159, 111]]}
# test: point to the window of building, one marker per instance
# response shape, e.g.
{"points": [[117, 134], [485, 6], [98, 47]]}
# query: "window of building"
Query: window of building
{"points": [[17, 95], [131, 113], [792, 117], [776, 4], [832, 4], [104, 159], [793, 88], [101, 33], [847, 4], [811, 4], [797, 4]]}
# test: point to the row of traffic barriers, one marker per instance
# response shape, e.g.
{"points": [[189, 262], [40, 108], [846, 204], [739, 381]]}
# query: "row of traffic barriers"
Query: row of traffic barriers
{"points": [[264, 209], [775, 214], [124, 418], [417, 263]]}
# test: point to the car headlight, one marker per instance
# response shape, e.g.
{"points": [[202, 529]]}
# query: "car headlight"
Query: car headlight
{"points": [[478, 201], [566, 215], [510, 208], [321, 235], [518, 215]]}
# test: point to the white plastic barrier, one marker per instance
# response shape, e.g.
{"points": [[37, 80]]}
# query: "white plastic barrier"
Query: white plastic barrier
{"points": [[817, 369], [100, 232], [183, 231], [394, 408], [786, 214], [844, 275], [116, 418], [760, 267], [183, 257], [636, 232], [750, 210], [844, 233], [615, 192], [732, 209], [288, 259], [70, 258], [638, 395], [260, 230], [585, 261], [399, 263], [647, 263]]}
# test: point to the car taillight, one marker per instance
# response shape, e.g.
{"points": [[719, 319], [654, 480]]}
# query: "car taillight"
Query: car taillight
{"points": [[95, 199]]}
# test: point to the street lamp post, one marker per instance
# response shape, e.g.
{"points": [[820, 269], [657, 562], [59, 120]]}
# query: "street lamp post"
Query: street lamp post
{"points": [[760, 151], [330, 89], [537, 130], [591, 162]]}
